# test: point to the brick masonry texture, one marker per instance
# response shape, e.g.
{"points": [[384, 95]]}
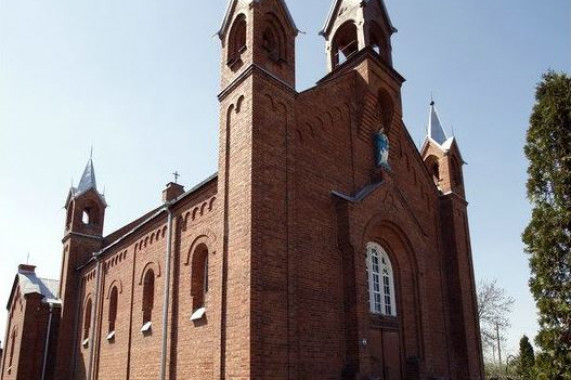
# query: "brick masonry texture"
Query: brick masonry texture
{"points": [[280, 233]]}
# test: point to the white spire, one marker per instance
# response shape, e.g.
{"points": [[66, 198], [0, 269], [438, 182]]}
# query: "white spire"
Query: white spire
{"points": [[435, 130], [88, 178]]}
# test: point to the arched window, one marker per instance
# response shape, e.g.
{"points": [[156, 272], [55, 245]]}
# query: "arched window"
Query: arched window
{"points": [[12, 345], [237, 39], [345, 43], [271, 44], [199, 280], [86, 216], [380, 281], [148, 297], [87, 322], [434, 169], [113, 303], [379, 42]]}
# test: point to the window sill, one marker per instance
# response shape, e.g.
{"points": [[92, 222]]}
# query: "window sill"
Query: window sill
{"points": [[111, 336], [146, 327], [384, 321], [198, 314]]}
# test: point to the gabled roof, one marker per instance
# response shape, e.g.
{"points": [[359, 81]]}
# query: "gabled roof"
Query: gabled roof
{"points": [[232, 6], [29, 283], [334, 10]]}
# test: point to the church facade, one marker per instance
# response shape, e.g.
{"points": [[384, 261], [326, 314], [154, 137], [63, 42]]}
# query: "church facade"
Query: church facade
{"points": [[327, 246]]}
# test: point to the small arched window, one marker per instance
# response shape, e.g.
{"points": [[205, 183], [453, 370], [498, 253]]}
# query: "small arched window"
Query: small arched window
{"points": [[237, 39], [86, 216], [113, 303], [434, 169], [87, 322], [148, 296], [380, 281], [199, 280]]}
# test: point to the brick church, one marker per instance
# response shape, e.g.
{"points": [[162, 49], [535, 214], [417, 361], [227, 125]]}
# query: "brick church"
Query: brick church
{"points": [[327, 246]]}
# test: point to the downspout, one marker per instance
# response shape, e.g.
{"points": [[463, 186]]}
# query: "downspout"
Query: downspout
{"points": [[47, 346], [167, 293], [94, 312]]}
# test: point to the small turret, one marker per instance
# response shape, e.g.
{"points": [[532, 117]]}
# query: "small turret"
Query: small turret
{"points": [[442, 156], [354, 25]]}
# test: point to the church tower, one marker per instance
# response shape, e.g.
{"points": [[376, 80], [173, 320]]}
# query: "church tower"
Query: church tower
{"points": [[257, 108], [85, 209], [443, 160]]}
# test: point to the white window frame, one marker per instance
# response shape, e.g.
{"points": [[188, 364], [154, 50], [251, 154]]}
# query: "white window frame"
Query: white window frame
{"points": [[380, 281]]}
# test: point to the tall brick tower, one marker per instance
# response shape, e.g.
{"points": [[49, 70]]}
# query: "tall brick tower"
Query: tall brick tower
{"points": [[256, 107], [83, 236], [444, 162]]}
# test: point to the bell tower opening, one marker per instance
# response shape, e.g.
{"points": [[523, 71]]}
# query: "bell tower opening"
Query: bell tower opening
{"points": [[237, 42], [353, 26], [345, 44]]}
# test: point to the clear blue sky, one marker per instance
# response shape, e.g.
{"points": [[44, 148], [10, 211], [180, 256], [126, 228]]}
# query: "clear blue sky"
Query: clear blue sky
{"points": [[139, 79]]}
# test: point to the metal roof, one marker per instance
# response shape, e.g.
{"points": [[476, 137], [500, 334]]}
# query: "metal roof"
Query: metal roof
{"points": [[88, 180], [435, 129], [29, 283]]}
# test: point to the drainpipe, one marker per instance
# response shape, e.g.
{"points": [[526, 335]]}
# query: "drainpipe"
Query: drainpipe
{"points": [[94, 312], [167, 293], [47, 346]]}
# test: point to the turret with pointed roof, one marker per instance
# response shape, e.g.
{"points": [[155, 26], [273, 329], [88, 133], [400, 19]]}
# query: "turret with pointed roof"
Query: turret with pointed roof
{"points": [[442, 155]]}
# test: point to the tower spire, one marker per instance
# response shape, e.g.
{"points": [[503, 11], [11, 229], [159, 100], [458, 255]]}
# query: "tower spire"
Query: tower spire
{"points": [[435, 129], [88, 180]]}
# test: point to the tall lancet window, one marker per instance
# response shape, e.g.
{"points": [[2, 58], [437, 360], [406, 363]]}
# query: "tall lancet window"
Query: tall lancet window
{"points": [[113, 303], [380, 278], [87, 322]]}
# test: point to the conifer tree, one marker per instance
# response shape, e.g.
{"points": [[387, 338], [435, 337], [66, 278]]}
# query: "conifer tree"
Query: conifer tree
{"points": [[548, 235], [526, 360]]}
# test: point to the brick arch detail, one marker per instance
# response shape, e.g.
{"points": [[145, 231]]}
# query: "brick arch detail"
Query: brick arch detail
{"points": [[115, 283], [208, 238], [150, 265], [373, 232]]}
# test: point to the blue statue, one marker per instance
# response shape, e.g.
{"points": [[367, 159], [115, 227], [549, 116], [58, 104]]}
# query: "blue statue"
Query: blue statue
{"points": [[382, 147]]}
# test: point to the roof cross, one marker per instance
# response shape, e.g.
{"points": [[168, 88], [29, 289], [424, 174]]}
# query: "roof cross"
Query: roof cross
{"points": [[176, 175]]}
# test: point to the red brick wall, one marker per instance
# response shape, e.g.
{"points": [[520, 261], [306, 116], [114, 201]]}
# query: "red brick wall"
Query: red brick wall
{"points": [[29, 318]]}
